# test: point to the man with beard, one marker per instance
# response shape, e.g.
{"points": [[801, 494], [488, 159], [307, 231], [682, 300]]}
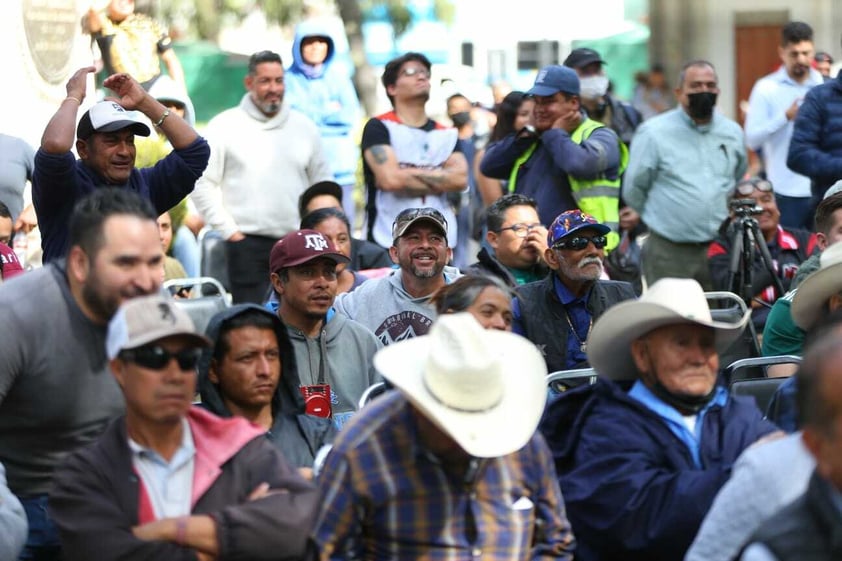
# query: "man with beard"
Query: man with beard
{"points": [[683, 166], [55, 390], [409, 160], [641, 454], [773, 106], [333, 354], [516, 242], [264, 154], [397, 307], [557, 313]]}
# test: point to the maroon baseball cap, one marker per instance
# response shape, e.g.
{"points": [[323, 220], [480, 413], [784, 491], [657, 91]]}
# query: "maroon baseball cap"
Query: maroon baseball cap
{"points": [[300, 247]]}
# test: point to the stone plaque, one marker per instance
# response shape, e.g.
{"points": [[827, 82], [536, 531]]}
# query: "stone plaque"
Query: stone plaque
{"points": [[51, 27]]}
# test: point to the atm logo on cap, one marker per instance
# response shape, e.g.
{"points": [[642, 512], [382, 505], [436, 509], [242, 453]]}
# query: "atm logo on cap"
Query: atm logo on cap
{"points": [[316, 242]]}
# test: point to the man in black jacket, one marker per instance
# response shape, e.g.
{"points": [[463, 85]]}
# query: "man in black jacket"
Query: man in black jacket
{"points": [[808, 528], [557, 313], [171, 481]]}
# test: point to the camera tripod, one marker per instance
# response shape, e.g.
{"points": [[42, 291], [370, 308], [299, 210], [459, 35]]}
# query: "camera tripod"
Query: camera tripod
{"points": [[746, 241]]}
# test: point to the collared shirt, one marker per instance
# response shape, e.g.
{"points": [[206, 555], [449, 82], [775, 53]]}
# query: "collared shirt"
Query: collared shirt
{"points": [[385, 497], [688, 428], [579, 318], [680, 174], [168, 484], [767, 127]]}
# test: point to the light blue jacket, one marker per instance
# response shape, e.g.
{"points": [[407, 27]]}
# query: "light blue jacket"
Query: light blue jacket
{"points": [[326, 95]]}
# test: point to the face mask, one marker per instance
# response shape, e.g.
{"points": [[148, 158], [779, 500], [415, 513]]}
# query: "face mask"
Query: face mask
{"points": [[593, 87], [460, 119], [701, 105]]}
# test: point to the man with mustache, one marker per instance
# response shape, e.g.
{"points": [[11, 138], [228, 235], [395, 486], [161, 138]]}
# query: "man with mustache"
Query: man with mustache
{"points": [[56, 394], [264, 154], [333, 353], [557, 313], [773, 106], [398, 306]]}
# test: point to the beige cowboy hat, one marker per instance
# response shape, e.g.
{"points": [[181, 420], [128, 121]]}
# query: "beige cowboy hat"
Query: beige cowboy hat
{"points": [[667, 302], [810, 300], [486, 389]]}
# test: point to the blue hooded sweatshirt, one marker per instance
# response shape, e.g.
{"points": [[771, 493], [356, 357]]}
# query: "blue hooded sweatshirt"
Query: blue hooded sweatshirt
{"points": [[326, 95]]}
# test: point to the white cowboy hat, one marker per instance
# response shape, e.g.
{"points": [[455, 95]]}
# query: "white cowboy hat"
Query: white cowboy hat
{"points": [[486, 389], [810, 300], [667, 302]]}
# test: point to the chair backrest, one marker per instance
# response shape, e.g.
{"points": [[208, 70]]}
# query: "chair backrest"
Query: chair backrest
{"points": [[214, 259], [729, 307], [761, 389], [562, 380], [755, 367], [207, 296], [375, 389]]}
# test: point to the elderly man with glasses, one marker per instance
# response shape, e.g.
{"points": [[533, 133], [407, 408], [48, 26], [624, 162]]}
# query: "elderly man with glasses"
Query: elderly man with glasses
{"points": [[788, 248], [557, 313], [169, 480]]}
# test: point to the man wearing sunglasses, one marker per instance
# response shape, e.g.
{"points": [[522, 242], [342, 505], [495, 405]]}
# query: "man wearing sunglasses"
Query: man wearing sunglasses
{"points": [[557, 313], [409, 160], [169, 480], [788, 247]]}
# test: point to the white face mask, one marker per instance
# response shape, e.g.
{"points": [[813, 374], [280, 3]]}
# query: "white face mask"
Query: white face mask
{"points": [[593, 87]]}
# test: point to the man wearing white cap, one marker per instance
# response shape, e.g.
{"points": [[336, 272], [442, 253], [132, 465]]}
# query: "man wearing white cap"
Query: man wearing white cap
{"points": [[449, 466], [105, 144], [171, 481], [642, 453]]}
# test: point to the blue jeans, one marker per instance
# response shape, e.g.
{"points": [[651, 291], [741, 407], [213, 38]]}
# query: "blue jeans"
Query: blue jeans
{"points": [[42, 543], [796, 212]]}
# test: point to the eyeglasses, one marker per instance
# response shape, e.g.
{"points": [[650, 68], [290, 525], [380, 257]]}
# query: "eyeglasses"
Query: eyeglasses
{"points": [[156, 357], [415, 71], [521, 230], [581, 242], [747, 186]]}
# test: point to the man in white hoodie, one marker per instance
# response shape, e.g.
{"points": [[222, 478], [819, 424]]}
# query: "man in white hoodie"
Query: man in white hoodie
{"points": [[397, 307], [263, 156]]}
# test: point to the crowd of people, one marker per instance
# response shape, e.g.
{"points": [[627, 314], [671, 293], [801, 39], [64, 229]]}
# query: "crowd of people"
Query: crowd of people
{"points": [[386, 397]]}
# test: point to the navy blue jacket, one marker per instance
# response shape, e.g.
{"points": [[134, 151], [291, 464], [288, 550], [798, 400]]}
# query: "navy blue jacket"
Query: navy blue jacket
{"points": [[631, 487], [60, 180], [815, 149]]}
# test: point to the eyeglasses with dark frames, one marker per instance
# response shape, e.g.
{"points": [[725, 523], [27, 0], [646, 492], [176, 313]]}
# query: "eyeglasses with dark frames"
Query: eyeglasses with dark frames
{"points": [[415, 71], [521, 230], [581, 242], [156, 357]]}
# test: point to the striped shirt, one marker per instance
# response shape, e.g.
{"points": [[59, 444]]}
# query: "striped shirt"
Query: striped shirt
{"points": [[384, 496]]}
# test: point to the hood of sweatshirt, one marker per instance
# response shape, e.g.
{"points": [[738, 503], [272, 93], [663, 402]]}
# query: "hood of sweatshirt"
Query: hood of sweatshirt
{"points": [[277, 120], [167, 89], [287, 397], [311, 28]]}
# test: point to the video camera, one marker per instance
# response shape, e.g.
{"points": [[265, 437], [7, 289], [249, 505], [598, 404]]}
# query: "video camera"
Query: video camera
{"points": [[745, 207]]}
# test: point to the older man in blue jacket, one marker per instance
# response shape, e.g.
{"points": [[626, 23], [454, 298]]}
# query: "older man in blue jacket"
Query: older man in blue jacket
{"points": [[641, 454]]}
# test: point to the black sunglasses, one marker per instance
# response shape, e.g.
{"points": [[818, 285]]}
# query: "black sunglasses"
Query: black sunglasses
{"points": [[156, 357], [581, 242]]}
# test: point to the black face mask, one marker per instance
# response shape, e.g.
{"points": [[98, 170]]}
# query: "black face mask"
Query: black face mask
{"points": [[701, 105], [685, 404], [460, 119]]}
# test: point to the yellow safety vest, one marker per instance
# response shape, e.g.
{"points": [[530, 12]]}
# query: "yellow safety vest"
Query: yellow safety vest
{"points": [[598, 197]]}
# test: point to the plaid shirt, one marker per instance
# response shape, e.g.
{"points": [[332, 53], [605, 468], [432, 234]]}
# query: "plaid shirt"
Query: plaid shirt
{"points": [[383, 496]]}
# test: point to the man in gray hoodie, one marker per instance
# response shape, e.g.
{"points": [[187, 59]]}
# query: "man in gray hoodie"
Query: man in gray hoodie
{"points": [[397, 307], [333, 353]]}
